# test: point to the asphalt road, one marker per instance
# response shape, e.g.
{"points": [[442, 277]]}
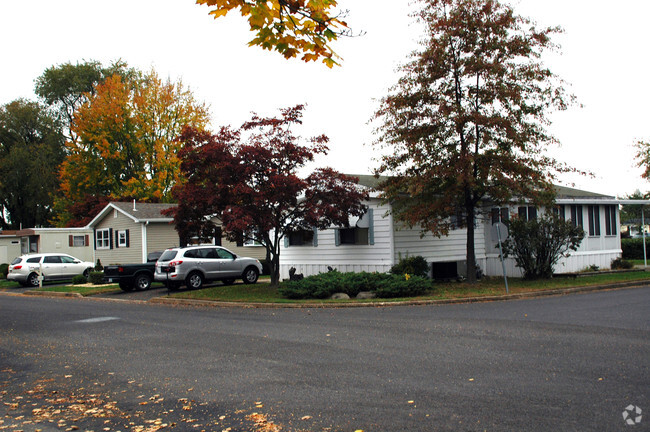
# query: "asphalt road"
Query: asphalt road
{"points": [[571, 363]]}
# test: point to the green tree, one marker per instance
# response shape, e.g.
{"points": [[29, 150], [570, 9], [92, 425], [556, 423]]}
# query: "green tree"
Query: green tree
{"points": [[66, 87], [466, 121], [538, 244], [31, 149]]}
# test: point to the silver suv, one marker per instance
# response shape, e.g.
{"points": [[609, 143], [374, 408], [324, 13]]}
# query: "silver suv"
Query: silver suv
{"points": [[54, 266], [194, 265]]}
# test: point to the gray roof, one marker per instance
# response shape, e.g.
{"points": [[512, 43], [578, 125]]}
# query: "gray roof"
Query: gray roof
{"points": [[563, 192], [144, 211]]}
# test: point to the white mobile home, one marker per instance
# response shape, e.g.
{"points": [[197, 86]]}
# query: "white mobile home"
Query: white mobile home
{"points": [[376, 242]]}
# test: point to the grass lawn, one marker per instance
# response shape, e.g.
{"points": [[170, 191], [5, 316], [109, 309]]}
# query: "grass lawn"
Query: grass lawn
{"points": [[264, 293], [84, 290]]}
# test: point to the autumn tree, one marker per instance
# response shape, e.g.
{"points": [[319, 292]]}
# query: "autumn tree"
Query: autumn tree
{"points": [[31, 148], [249, 178], [291, 27], [66, 87], [127, 140], [467, 119]]}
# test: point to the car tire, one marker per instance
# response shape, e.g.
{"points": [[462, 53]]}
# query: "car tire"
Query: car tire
{"points": [[86, 273], [124, 286], [250, 275], [194, 280], [142, 282], [228, 281], [32, 280]]}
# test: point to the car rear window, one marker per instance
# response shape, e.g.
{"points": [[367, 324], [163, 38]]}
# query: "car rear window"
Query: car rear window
{"points": [[16, 261], [168, 255]]}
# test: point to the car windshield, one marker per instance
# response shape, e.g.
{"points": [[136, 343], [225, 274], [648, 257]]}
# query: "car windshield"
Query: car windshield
{"points": [[168, 255]]}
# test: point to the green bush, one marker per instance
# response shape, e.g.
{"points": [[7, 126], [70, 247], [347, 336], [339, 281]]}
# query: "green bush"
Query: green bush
{"points": [[620, 263], [96, 278], [414, 266], [633, 248], [4, 269], [384, 285], [79, 280], [99, 267]]}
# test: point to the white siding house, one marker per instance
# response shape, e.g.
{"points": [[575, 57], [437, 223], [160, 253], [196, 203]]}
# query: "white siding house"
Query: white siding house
{"points": [[387, 241]]}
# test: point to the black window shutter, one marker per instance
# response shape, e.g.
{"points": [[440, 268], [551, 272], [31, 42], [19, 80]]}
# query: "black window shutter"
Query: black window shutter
{"points": [[127, 238], [110, 238]]}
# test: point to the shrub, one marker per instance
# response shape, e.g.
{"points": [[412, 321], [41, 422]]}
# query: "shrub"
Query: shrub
{"points": [[4, 269], [414, 266], [537, 245], [633, 248], [384, 285], [96, 277], [266, 268], [620, 263], [79, 280], [99, 267]]}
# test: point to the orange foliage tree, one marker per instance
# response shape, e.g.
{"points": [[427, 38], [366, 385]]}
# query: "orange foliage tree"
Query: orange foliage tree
{"points": [[127, 142]]}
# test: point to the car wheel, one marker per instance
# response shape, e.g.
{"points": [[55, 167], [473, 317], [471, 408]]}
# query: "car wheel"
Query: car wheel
{"points": [[142, 282], [126, 286], [194, 280], [32, 280], [228, 281], [86, 273], [250, 275]]}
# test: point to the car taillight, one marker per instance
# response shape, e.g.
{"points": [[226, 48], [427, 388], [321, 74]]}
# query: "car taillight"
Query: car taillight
{"points": [[175, 263], [120, 269], [17, 267]]}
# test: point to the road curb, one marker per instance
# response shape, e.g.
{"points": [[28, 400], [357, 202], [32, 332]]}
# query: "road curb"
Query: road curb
{"points": [[52, 294], [321, 305]]}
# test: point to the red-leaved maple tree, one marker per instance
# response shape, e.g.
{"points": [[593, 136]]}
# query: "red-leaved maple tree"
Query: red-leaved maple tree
{"points": [[248, 178]]}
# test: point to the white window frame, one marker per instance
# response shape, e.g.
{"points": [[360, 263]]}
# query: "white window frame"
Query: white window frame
{"points": [[103, 238], [121, 239]]}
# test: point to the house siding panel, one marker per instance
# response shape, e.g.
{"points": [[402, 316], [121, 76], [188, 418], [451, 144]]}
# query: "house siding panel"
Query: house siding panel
{"points": [[161, 236], [121, 255], [310, 260]]}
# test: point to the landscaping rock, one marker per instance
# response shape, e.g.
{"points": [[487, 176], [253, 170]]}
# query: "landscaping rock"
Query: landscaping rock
{"points": [[340, 296], [366, 295]]}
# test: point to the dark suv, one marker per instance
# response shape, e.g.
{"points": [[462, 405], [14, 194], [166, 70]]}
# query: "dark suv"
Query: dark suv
{"points": [[194, 265]]}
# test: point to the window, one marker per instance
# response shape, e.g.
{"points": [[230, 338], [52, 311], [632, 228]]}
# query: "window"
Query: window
{"points": [[103, 238], [576, 215], [301, 238], [34, 260], [527, 213], [224, 254], [610, 220], [355, 236], [78, 240], [360, 232], [52, 260], [500, 213], [67, 259], [593, 213], [560, 212], [122, 238]]}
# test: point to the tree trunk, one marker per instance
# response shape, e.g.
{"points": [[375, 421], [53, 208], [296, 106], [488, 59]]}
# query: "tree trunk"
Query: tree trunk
{"points": [[274, 268]]}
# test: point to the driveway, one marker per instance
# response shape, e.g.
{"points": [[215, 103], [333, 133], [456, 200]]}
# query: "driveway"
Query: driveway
{"points": [[572, 363]]}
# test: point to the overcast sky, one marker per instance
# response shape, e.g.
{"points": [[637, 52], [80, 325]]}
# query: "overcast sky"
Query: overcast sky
{"points": [[605, 58]]}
